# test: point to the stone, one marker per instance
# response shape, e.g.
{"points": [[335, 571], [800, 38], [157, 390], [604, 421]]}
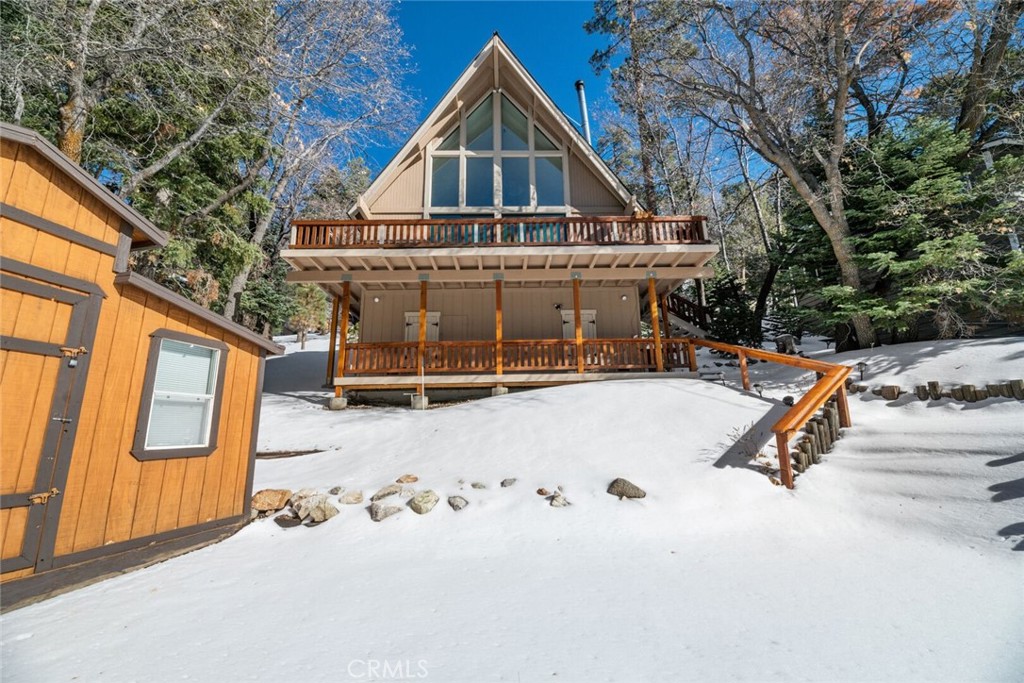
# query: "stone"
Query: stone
{"points": [[499, 391], [934, 390], [379, 511], [1017, 388], [419, 402], [478, 485], [457, 502], [351, 498], [543, 492], [407, 492], [315, 509], [785, 343], [254, 514], [423, 502], [788, 400], [559, 501], [335, 490], [505, 483], [623, 488], [407, 479], [303, 493], [287, 520], [922, 392], [270, 500], [337, 403], [958, 393], [389, 490], [968, 392], [891, 392], [981, 393]]}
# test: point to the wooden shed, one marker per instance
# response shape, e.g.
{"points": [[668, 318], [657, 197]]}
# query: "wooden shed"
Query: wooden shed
{"points": [[128, 413]]}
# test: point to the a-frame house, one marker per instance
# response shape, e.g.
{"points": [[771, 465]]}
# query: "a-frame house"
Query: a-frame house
{"points": [[497, 249]]}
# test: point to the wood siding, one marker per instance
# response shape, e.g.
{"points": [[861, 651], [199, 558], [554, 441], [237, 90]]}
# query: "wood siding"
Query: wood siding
{"points": [[109, 496], [529, 313]]}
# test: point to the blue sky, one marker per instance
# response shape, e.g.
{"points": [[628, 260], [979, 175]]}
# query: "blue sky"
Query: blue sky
{"points": [[548, 37]]}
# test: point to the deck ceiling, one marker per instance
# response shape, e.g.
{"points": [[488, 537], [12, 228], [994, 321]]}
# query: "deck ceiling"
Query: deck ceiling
{"points": [[475, 267]]}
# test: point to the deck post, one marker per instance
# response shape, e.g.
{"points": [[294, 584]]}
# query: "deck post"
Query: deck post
{"points": [[691, 355], [578, 319], [422, 348], [844, 407], [652, 300], [499, 357], [334, 342], [785, 464], [346, 305], [744, 373], [664, 315]]}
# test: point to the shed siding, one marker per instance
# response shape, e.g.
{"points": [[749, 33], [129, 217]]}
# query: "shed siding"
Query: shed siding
{"points": [[109, 496], [527, 313]]}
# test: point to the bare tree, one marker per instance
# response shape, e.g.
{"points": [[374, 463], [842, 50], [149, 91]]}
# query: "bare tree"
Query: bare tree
{"points": [[992, 31], [337, 70]]}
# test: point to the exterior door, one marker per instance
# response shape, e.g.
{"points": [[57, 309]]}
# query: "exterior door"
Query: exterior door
{"points": [[412, 326], [588, 320], [46, 334]]}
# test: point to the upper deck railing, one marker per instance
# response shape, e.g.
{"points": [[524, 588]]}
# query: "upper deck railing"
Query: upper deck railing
{"points": [[497, 232]]}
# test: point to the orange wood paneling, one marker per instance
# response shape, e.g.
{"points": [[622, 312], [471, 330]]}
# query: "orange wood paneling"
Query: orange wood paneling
{"points": [[8, 158]]}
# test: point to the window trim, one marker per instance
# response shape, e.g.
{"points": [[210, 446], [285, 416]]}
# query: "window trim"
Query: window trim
{"points": [[139, 449], [496, 154]]}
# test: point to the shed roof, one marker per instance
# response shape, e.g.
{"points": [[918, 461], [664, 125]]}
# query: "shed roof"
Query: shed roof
{"points": [[144, 233]]}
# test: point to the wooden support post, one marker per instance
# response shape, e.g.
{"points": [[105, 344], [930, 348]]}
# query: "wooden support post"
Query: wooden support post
{"points": [[785, 464], [844, 408], [578, 316], [498, 332], [346, 305], [334, 342], [691, 356], [744, 373], [652, 299], [422, 348], [664, 315]]}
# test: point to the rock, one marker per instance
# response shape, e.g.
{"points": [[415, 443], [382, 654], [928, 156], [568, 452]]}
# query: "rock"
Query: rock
{"points": [[1017, 388], [254, 515], [505, 483], [559, 501], [379, 511], [922, 392], [891, 392], [478, 485], [543, 492], [407, 492], [287, 520], [423, 502], [336, 490], [389, 490], [270, 500], [785, 343], [302, 493], [788, 400], [958, 393], [351, 498], [407, 479], [457, 502], [624, 488], [934, 390], [317, 508]]}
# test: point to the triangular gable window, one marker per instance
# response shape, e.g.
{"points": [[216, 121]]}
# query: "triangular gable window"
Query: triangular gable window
{"points": [[519, 170]]}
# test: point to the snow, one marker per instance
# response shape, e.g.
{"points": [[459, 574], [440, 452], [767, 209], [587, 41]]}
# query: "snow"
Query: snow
{"points": [[892, 560]]}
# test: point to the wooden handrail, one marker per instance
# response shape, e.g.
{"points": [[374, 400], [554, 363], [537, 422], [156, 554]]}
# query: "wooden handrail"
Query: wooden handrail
{"points": [[490, 232], [831, 382]]}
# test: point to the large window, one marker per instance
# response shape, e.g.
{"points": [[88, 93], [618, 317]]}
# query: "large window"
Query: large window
{"points": [[181, 397], [496, 160]]}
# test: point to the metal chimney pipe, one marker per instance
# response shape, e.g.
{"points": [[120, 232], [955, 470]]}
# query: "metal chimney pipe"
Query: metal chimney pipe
{"points": [[583, 111]]}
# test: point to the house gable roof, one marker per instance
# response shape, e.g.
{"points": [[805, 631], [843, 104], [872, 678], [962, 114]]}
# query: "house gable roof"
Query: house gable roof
{"points": [[495, 48], [144, 234]]}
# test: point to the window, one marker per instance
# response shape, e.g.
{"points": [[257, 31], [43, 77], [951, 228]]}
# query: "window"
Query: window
{"points": [[181, 395], [496, 160]]}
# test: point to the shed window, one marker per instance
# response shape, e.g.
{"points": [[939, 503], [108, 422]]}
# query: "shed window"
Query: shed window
{"points": [[181, 397]]}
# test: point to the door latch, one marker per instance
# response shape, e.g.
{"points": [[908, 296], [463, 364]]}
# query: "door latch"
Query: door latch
{"points": [[41, 498], [72, 354], [63, 420]]}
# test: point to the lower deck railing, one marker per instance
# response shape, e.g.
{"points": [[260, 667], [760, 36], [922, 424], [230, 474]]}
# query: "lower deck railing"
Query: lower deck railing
{"points": [[518, 355]]}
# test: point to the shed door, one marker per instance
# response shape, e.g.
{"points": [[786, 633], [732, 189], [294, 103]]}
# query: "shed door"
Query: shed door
{"points": [[412, 326], [42, 377]]}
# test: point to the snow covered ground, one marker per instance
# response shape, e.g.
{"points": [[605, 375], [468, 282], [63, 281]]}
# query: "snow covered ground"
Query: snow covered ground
{"points": [[893, 560]]}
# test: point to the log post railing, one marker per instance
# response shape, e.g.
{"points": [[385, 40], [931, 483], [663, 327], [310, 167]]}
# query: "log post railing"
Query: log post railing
{"points": [[831, 378], [332, 351], [498, 328], [346, 304]]}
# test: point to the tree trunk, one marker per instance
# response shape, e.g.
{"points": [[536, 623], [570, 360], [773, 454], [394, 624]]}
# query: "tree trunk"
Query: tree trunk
{"points": [[73, 113], [980, 82], [302, 340]]}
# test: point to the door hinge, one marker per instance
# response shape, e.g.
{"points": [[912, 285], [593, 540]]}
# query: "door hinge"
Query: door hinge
{"points": [[41, 498]]}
